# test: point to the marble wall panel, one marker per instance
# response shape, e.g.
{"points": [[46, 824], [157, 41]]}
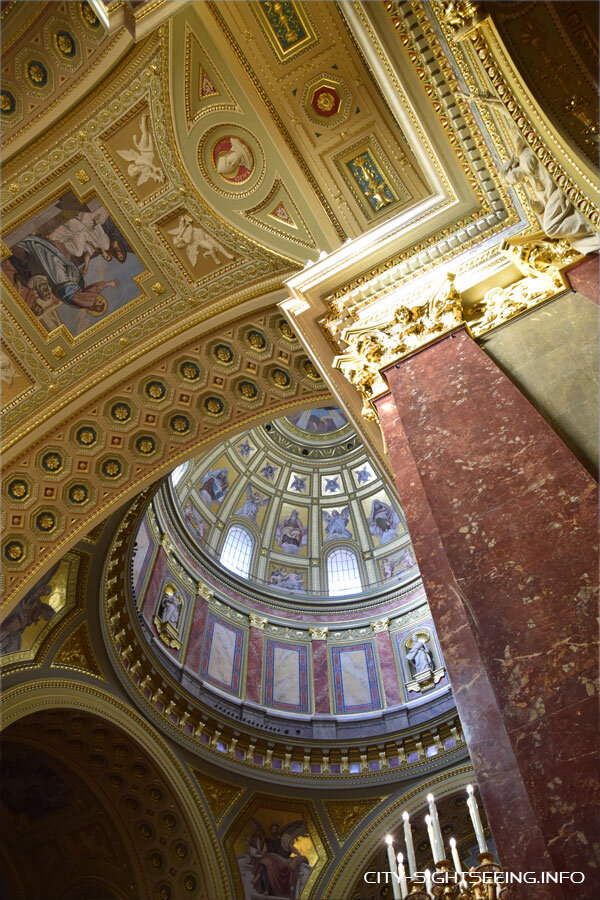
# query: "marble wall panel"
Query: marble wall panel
{"points": [[222, 657], [142, 555], [354, 677], [286, 678], [551, 354]]}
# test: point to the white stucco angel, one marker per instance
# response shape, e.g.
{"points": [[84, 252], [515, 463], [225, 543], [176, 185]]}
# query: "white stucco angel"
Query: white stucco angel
{"points": [[559, 218], [190, 236], [141, 158]]}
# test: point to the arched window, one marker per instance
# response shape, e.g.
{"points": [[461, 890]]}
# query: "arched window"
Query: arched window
{"points": [[178, 473], [343, 574], [237, 551]]}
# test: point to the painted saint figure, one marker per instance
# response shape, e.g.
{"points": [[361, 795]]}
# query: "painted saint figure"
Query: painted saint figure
{"points": [[254, 500], [383, 522], [214, 486], [336, 522], [291, 533]]}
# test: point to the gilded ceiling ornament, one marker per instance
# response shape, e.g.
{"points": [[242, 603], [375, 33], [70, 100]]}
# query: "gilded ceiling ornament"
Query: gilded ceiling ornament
{"points": [[77, 653], [346, 814], [219, 795], [460, 14], [318, 633], [257, 621], [372, 347]]}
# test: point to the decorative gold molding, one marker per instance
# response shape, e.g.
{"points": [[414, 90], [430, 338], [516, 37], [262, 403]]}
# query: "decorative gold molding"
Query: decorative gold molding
{"points": [[77, 653], [345, 815], [219, 795]]}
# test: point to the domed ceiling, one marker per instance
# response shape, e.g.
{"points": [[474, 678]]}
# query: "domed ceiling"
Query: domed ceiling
{"points": [[296, 505]]}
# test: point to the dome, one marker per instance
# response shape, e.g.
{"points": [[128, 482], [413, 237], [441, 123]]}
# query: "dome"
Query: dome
{"points": [[297, 507]]}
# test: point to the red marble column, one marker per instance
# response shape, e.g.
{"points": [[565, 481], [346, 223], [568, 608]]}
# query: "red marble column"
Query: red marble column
{"points": [[388, 669], [584, 277], [503, 521], [254, 668], [321, 676]]}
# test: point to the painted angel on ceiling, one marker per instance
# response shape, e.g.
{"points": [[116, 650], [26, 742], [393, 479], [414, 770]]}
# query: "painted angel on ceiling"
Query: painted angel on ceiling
{"points": [[141, 158], [336, 523]]}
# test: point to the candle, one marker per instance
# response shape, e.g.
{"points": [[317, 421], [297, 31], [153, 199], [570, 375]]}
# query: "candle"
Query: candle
{"points": [[431, 837], [437, 831], [410, 850], [476, 820], [428, 881], [392, 863], [456, 858], [402, 874]]}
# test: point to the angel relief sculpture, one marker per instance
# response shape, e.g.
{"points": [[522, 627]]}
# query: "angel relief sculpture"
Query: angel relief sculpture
{"points": [[272, 865], [141, 157], [192, 238]]}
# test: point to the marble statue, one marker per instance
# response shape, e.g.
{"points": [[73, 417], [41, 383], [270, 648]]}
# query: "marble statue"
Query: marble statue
{"points": [[420, 656]]}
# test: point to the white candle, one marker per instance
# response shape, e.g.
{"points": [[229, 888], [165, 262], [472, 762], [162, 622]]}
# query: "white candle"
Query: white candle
{"points": [[431, 837], [476, 820], [410, 850], [402, 874], [392, 863], [437, 831], [455, 857], [428, 881]]}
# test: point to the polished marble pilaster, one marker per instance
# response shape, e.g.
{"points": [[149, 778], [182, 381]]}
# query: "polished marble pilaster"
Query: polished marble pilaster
{"points": [[254, 665], [503, 522], [321, 676], [387, 666]]}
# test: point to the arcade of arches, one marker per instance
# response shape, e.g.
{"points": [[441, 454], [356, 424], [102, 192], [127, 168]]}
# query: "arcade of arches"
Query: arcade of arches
{"points": [[299, 401]]}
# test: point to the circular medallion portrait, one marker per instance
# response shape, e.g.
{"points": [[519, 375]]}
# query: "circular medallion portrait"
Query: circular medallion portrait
{"points": [[233, 160]]}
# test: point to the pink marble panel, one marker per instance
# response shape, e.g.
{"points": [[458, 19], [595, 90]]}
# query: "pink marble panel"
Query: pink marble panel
{"points": [[321, 677], [387, 666], [254, 667]]}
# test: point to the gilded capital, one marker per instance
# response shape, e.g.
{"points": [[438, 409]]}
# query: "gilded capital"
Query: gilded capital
{"points": [[257, 621], [381, 625], [317, 633]]}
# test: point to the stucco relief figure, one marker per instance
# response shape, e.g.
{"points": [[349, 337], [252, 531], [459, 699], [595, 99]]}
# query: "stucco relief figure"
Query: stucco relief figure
{"points": [[419, 655], [336, 523], [383, 522], [141, 157], [192, 238], [272, 866], [7, 369], [214, 486], [291, 533], [558, 216], [253, 502]]}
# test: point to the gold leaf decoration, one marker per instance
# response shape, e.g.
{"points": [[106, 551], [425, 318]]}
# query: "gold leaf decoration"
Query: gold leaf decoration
{"points": [[219, 795], [77, 653], [346, 814]]}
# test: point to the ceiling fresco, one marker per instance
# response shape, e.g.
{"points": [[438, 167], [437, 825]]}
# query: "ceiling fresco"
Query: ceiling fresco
{"points": [[301, 486]]}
